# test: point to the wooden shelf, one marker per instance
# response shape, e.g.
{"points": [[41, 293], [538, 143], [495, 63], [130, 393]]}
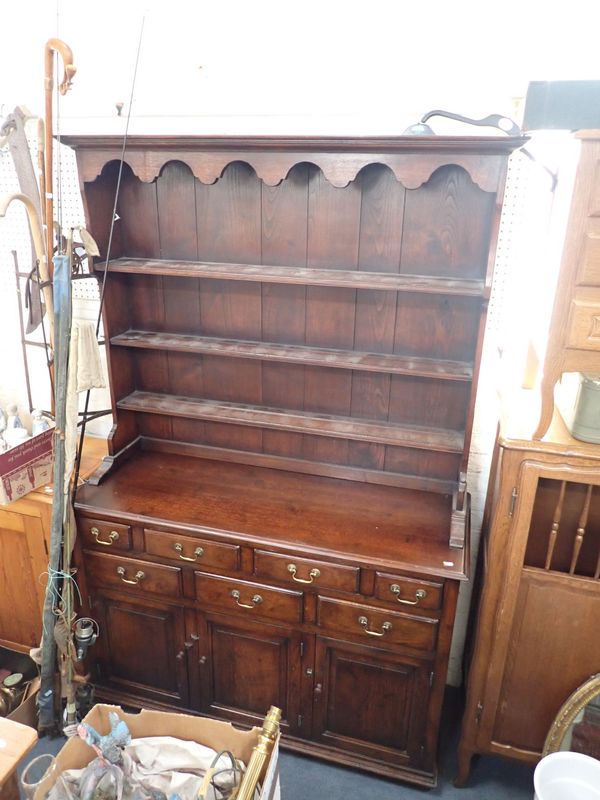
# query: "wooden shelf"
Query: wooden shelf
{"points": [[297, 354], [420, 437], [350, 279]]}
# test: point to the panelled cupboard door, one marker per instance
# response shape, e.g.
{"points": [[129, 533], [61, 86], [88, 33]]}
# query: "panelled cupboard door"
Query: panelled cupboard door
{"points": [[23, 565], [372, 702], [545, 642], [140, 651], [245, 667]]}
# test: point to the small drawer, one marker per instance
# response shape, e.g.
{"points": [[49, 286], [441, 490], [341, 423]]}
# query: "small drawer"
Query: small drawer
{"points": [[132, 574], [192, 550], [378, 625], [408, 592], [252, 599], [305, 571], [104, 534], [583, 331], [588, 272]]}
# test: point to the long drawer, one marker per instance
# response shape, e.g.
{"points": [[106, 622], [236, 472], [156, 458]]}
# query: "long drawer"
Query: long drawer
{"points": [[191, 550], [305, 571], [378, 625], [248, 598], [132, 574]]}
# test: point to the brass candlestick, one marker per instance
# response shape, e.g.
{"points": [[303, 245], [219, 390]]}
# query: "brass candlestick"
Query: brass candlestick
{"points": [[260, 754]]}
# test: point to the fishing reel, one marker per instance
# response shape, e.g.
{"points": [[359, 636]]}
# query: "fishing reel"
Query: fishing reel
{"points": [[85, 633]]}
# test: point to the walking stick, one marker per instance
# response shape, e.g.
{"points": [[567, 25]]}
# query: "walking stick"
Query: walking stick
{"points": [[53, 45]]}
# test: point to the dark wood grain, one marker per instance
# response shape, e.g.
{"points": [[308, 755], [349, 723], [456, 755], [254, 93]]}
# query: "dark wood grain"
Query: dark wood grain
{"points": [[296, 354], [447, 226], [139, 647], [229, 645], [284, 241], [333, 231], [382, 525], [382, 209], [229, 227], [317, 424], [138, 216], [346, 713], [341, 277]]}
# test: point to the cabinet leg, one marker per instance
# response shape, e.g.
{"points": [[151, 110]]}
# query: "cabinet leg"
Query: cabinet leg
{"points": [[465, 755], [547, 396]]}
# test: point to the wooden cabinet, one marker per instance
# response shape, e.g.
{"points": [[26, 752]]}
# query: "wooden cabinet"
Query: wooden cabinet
{"points": [[24, 537], [536, 631], [293, 333], [24, 542], [574, 337]]}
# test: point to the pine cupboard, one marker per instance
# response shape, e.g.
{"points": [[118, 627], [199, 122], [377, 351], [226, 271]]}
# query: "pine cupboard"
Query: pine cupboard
{"points": [[294, 329]]}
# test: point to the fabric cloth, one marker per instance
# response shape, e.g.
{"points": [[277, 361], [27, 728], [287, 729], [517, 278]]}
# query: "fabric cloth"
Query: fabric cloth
{"points": [[152, 767], [85, 372]]}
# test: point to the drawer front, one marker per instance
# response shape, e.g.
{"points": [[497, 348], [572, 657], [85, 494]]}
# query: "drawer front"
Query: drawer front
{"points": [[246, 598], [132, 574], [107, 535], [583, 331], [589, 264], [191, 550], [408, 592], [377, 625], [305, 571]]}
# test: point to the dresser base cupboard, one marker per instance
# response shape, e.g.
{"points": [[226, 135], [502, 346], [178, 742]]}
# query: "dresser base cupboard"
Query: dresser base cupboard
{"points": [[293, 333]]}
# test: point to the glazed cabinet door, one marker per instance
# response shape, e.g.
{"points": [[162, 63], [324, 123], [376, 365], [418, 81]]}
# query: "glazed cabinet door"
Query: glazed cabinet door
{"points": [[140, 651], [372, 702], [240, 668]]}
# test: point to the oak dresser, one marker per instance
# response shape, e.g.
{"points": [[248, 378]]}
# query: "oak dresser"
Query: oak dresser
{"points": [[294, 329]]}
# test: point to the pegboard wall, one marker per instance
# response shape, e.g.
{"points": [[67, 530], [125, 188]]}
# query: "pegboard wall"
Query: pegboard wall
{"points": [[14, 235]]}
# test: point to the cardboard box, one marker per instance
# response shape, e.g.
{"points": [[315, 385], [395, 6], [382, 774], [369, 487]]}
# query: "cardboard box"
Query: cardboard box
{"points": [[26, 711], [219, 735], [26, 466]]}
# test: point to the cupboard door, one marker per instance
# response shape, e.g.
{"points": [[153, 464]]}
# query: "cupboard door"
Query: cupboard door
{"points": [[544, 636], [371, 702], [23, 567], [140, 650], [246, 667]]}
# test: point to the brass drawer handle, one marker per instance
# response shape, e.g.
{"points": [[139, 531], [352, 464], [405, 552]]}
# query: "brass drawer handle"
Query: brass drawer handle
{"points": [[113, 536], [139, 576], [198, 553], [255, 600], [420, 594], [314, 573], [386, 626]]}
